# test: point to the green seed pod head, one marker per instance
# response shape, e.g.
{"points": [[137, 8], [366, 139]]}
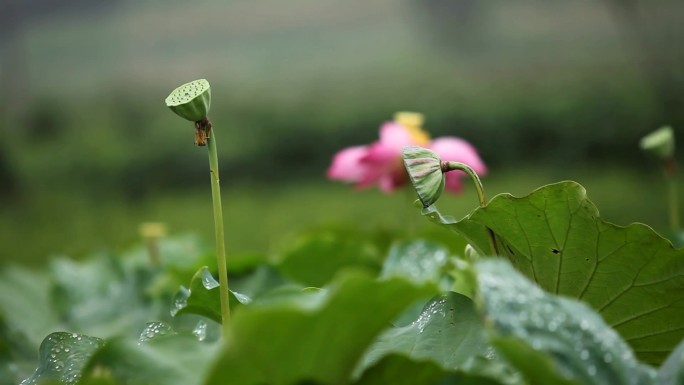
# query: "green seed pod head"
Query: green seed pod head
{"points": [[191, 101], [659, 142], [425, 171]]}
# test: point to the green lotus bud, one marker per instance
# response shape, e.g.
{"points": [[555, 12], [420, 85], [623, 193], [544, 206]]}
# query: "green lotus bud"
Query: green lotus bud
{"points": [[191, 101], [425, 171], [659, 142], [470, 254]]}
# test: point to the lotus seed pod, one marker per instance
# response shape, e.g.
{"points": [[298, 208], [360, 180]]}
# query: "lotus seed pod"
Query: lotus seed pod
{"points": [[425, 171], [659, 142], [191, 101]]}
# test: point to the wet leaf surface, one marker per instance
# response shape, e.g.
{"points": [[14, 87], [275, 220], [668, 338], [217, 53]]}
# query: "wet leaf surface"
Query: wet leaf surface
{"points": [[631, 275]]}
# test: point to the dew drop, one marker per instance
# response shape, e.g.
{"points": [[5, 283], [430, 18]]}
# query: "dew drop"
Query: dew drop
{"points": [[584, 324], [200, 331], [153, 330], [553, 326], [584, 354], [208, 281]]}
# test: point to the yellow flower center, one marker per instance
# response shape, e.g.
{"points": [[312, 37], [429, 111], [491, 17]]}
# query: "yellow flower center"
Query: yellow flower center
{"points": [[413, 121]]}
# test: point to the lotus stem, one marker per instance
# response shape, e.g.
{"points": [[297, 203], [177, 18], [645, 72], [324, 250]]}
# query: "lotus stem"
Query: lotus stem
{"points": [[218, 227], [451, 166]]}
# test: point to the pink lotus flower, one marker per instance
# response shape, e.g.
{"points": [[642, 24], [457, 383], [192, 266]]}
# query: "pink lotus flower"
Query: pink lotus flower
{"points": [[380, 162]]}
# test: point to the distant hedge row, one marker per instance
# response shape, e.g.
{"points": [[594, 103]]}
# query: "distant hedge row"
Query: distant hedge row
{"points": [[133, 147]]}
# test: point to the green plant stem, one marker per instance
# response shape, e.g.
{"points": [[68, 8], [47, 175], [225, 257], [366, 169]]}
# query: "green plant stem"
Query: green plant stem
{"points": [[451, 166], [218, 227]]}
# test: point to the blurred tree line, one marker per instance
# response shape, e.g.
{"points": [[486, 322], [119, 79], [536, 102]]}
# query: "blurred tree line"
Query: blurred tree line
{"points": [[127, 144], [15, 18]]}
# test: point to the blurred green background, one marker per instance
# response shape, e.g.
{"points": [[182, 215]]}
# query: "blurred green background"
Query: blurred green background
{"points": [[546, 90]]}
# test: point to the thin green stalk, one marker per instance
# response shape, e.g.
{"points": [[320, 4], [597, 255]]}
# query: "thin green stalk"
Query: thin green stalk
{"points": [[218, 227], [451, 166]]}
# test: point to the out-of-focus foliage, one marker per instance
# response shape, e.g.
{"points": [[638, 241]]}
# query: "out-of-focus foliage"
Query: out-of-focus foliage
{"points": [[361, 326]]}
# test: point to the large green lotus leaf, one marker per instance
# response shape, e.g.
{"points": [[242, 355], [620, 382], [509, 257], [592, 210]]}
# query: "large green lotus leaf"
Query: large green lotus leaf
{"points": [[17, 355], [7, 372], [257, 281], [168, 359], [552, 339], [102, 296], [474, 233], [448, 332], [25, 304], [419, 261], [202, 298], [26, 317], [396, 369], [282, 343], [318, 256], [63, 356], [672, 370], [631, 275]]}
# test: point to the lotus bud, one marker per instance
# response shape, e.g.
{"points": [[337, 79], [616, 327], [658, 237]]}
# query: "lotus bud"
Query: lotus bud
{"points": [[659, 142], [152, 232], [191, 101], [470, 254], [425, 171]]}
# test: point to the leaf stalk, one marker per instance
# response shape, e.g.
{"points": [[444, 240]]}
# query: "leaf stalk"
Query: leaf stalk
{"points": [[218, 228], [453, 166]]}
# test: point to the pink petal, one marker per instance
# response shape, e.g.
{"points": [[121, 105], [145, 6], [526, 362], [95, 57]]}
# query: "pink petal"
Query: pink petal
{"points": [[383, 165], [393, 135], [383, 173], [453, 181], [378, 163], [391, 182], [457, 150], [380, 155], [347, 166]]}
